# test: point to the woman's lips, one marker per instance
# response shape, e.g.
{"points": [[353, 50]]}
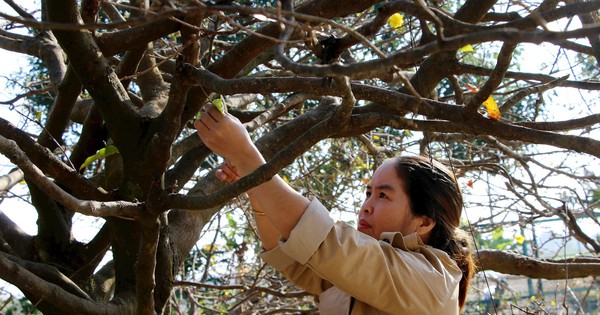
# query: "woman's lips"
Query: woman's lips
{"points": [[363, 225]]}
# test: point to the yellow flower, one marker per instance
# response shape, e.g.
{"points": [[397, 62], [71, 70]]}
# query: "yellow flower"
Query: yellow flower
{"points": [[520, 239], [467, 48], [396, 20], [492, 108]]}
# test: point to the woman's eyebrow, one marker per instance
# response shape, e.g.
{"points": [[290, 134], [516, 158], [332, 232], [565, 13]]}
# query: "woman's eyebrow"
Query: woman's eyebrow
{"points": [[382, 187]]}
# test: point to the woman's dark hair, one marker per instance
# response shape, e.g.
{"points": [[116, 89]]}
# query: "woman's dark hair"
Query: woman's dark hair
{"points": [[434, 192]]}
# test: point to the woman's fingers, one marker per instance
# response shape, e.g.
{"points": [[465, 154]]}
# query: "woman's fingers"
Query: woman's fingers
{"points": [[222, 176], [229, 169], [227, 173], [213, 113], [226, 136]]}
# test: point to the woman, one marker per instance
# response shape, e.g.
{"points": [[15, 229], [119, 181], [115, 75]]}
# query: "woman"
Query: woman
{"points": [[407, 257]]}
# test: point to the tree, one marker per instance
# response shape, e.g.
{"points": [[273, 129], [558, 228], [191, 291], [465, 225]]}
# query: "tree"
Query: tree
{"points": [[326, 87]]}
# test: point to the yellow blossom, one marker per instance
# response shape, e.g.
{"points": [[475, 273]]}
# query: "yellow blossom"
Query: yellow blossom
{"points": [[520, 239], [396, 20]]}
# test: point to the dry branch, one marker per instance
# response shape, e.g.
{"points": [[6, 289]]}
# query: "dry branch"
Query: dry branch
{"points": [[516, 264], [93, 208]]}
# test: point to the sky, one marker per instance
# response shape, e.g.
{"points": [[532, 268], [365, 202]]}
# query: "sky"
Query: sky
{"points": [[12, 63]]}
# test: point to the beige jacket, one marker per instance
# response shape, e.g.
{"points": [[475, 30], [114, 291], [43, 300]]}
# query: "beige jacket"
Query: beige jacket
{"points": [[353, 273]]}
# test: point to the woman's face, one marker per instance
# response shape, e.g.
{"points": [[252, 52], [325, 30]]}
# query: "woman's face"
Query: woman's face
{"points": [[386, 206]]}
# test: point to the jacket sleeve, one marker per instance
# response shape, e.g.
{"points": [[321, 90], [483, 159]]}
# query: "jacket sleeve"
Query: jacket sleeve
{"points": [[300, 274], [410, 277]]}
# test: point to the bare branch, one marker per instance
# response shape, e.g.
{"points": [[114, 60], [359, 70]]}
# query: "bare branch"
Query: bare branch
{"points": [[504, 59], [584, 85], [571, 221], [58, 118], [243, 288], [516, 264], [95, 73], [517, 97], [10, 180], [94, 208], [51, 165], [344, 110], [146, 266], [50, 274], [18, 240], [43, 290]]}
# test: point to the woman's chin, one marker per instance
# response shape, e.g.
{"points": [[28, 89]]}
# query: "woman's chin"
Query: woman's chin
{"points": [[366, 231]]}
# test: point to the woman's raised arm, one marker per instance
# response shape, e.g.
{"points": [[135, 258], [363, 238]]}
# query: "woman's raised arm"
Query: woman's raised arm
{"points": [[226, 136]]}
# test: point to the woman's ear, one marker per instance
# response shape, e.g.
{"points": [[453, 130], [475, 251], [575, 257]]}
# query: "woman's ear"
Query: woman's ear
{"points": [[426, 225]]}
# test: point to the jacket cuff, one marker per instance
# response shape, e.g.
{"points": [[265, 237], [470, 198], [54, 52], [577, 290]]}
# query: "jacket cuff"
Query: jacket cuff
{"points": [[309, 233], [276, 258]]}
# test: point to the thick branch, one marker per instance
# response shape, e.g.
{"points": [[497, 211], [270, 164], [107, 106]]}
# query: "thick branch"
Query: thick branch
{"points": [[259, 176], [463, 68], [68, 92], [50, 274], [145, 267], [171, 115], [408, 57], [19, 241], [93, 208], [393, 102], [571, 221], [51, 165], [10, 180], [504, 59], [93, 137], [92, 255], [516, 264], [43, 290], [266, 290], [563, 125], [587, 18], [96, 74], [517, 97], [43, 47], [344, 110], [136, 37]]}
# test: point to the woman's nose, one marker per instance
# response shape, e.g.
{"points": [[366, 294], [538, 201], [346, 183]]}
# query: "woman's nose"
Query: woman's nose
{"points": [[366, 208]]}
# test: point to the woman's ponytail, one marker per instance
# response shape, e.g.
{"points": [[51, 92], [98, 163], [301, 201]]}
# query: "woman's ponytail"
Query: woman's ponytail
{"points": [[465, 262]]}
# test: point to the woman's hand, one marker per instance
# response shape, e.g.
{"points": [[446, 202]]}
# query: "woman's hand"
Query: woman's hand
{"points": [[227, 172], [226, 136]]}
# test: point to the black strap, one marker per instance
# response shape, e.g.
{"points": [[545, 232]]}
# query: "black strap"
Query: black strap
{"points": [[351, 305]]}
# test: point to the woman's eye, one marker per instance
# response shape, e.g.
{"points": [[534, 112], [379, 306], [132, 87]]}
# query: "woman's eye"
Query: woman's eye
{"points": [[368, 194], [382, 195]]}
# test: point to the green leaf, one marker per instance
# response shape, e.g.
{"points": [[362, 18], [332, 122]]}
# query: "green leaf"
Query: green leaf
{"points": [[595, 195], [102, 153], [497, 233], [219, 103]]}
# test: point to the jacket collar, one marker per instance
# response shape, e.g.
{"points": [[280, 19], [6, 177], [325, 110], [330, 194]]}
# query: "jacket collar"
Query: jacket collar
{"points": [[411, 242]]}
